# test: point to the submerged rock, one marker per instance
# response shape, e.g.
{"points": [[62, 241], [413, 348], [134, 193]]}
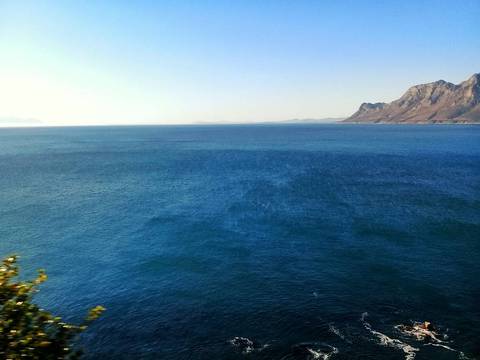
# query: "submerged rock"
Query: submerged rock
{"points": [[422, 331]]}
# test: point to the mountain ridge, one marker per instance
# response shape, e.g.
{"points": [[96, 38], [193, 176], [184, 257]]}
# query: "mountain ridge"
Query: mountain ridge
{"points": [[436, 102]]}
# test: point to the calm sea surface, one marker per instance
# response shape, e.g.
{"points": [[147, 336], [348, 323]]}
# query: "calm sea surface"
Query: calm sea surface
{"points": [[285, 235]]}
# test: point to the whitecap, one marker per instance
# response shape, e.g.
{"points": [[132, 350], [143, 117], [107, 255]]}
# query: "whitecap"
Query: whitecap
{"points": [[420, 332], [363, 316], [311, 351], [319, 354], [335, 331], [461, 354], [442, 346], [245, 345], [410, 351]]}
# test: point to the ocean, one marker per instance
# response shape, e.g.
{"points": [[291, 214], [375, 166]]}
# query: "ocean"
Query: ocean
{"points": [[251, 242]]}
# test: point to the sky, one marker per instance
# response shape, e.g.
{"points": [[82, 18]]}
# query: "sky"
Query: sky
{"points": [[175, 62]]}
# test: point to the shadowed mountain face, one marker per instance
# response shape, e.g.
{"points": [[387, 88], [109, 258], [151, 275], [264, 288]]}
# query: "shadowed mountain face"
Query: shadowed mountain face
{"points": [[437, 102]]}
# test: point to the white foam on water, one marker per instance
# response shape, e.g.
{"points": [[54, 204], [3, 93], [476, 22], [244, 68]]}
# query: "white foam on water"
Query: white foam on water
{"points": [[335, 331], [246, 345], [311, 351], [363, 316], [410, 351], [461, 354], [419, 332], [442, 346], [319, 354]]}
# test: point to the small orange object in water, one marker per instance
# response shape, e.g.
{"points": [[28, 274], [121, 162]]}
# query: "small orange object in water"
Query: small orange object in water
{"points": [[427, 325]]}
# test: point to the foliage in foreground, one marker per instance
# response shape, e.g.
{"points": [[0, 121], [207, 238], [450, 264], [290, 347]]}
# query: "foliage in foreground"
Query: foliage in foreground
{"points": [[28, 332]]}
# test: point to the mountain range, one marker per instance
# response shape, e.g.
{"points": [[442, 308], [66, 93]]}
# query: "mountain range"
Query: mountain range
{"points": [[436, 102]]}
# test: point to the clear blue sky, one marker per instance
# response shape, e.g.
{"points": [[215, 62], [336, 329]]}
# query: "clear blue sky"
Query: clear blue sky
{"points": [[84, 62]]}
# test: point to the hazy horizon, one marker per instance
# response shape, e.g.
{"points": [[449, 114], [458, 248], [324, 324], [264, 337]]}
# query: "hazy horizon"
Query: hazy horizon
{"points": [[20, 122], [117, 63]]}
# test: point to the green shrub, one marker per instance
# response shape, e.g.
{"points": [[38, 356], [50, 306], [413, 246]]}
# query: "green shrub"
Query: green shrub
{"points": [[27, 331]]}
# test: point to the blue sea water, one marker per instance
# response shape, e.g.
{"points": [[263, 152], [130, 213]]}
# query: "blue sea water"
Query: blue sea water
{"points": [[192, 236]]}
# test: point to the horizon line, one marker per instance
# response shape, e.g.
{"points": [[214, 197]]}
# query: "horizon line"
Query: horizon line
{"points": [[329, 120]]}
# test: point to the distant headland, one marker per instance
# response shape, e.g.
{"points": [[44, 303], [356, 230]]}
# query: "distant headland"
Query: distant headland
{"points": [[437, 102]]}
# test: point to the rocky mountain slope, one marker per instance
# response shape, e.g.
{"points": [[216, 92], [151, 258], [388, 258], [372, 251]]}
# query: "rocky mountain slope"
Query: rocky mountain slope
{"points": [[437, 102]]}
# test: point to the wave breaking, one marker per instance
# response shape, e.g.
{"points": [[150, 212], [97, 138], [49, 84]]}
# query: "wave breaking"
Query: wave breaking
{"points": [[384, 340]]}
